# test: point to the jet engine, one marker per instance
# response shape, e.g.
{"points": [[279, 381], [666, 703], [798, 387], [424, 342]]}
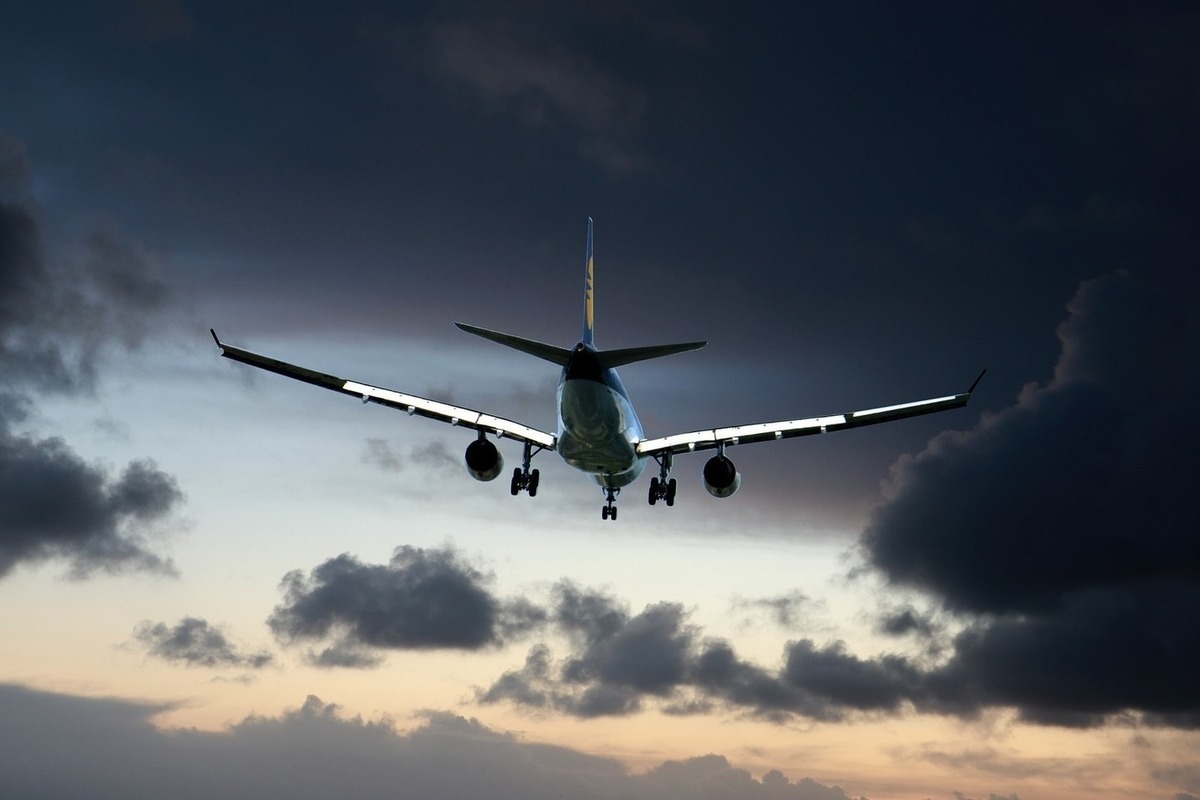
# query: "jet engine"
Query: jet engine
{"points": [[484, 461], [721, 477]]}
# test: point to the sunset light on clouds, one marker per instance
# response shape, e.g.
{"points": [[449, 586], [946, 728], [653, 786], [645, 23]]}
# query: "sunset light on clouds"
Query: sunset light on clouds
{"points": [[216, 582]]}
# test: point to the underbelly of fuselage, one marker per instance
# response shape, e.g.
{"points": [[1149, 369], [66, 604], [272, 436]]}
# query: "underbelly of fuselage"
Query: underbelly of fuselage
{"points": [[598, 432]]}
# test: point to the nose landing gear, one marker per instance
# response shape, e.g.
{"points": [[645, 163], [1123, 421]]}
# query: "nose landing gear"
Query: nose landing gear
{"points": [[609, 511]]}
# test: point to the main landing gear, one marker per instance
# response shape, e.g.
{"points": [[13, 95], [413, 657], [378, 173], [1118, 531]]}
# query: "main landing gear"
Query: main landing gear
{"points": [[525, 479], [663, 487], [610, 510]]}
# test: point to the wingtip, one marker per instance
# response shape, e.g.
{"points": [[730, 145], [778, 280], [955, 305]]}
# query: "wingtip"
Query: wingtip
{"points": [[215, 339], [977, 380]]}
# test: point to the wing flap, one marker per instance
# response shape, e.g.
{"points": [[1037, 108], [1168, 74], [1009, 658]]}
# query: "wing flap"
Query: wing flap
{"points": [[787, 429], [455, 415], [412, 404]]}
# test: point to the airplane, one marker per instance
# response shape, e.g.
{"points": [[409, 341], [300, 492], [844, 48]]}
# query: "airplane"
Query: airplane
{"points": [[598, 430]]}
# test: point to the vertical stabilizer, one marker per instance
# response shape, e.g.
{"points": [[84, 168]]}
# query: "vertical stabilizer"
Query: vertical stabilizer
{"points": [[589, 308]]}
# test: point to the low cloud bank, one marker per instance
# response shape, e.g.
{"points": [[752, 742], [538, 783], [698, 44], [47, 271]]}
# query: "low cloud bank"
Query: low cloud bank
{"points": [[61, 746]]}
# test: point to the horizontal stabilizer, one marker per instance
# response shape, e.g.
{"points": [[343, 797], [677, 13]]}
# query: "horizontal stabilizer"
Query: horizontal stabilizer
{"points": [[549, 352], [611, 359]]}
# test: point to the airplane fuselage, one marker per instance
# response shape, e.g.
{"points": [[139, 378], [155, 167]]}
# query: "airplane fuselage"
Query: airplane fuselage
{"points": [[598, 430]]}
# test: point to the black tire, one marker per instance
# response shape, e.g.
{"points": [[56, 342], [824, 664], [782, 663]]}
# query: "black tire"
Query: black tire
{"points": [[604, 512], [613, 515], [652, 496], [533, 482], [672, 485], [515, 486]]}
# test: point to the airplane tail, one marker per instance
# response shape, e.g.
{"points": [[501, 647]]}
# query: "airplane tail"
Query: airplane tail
{"points": [[589, 307], [609, 359]]}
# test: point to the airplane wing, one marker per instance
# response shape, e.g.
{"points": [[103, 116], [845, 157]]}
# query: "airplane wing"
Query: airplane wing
{"points": [[786, 429], [409, 403]]}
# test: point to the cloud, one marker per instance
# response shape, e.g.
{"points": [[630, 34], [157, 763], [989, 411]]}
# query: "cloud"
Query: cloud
{"points": [[712, 776], [908, 620], [431, 457], [787, 610], [618, 660], [1058, 538], [316, 751], [617, 657], [55, 506], [195, 643], [437, 456], [379, 453], [56, 321], [1065, 525], [646, 653], [422, 599], [525, 71], [55, 325]]}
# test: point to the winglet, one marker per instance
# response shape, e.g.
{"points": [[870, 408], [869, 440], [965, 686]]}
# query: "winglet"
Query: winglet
{"points": [[215, 339], [977, 380]]}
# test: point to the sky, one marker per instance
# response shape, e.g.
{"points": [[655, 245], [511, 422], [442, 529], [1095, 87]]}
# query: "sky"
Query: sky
{"points": [[221, 583]]}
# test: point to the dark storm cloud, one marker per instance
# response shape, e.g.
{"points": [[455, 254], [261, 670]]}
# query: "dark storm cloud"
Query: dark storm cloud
{"points": [[1085, 482], [618, 660], [907, 620], [344, 652], [846, 681], [526, 70], [422, 599], [617, 657], [53, 505], [57, 320], [646, 652], [55, 325], [1060, 533], [317, 751], [195, 643], [1068, 520]]}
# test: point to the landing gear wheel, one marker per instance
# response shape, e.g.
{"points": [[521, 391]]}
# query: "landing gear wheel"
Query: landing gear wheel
{"points": [[663, 486], [524, 478], [610, 511]]}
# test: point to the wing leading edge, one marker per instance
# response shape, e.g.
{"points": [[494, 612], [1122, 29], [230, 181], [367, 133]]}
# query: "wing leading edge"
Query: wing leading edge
{"points": [[786, 429], [412, 404]]}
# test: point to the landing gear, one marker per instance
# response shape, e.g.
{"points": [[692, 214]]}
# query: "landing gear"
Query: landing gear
{"points": [[663, 490], [609, 511], [524, 478], [663, 487]]}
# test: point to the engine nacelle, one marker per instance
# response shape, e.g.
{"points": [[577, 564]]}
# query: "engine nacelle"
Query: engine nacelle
{"points": [[484, 461], [721, 477]]}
